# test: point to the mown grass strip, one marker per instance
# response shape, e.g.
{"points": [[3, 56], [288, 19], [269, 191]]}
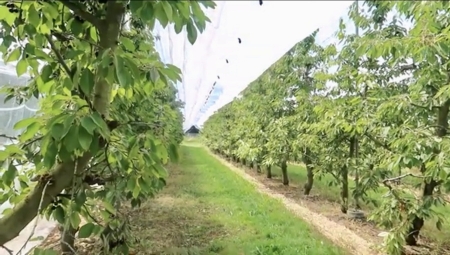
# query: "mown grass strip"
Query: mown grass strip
{"points": [[220, 213]]}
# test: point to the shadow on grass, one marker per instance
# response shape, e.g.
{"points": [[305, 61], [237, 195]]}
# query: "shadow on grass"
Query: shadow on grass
{"points": [[172, 224]]}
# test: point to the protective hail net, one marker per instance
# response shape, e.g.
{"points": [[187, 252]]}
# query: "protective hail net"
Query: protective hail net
{"points": [[11, 111], [202, 85], [194, 61]]}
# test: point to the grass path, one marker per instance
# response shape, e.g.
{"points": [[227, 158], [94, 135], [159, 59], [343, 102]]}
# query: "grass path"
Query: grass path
{"points": [[208, 209]]}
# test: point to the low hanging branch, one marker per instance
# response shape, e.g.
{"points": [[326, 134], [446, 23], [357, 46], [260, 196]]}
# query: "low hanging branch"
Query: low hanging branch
{"points": [[398, 178]]}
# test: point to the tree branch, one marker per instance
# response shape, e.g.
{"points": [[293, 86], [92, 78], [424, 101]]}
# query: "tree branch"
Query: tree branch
{"points": [[377, 142], [26, 210], [408, 67], [37, 219], [9, 251], [393, 179], [66, 68], [8, 137], [98, 180], [83, 14]]}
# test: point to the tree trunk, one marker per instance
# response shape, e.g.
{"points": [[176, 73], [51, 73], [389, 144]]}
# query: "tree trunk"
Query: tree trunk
{"points": [[284, 173], [269, 172], [354, 154], [309, 169], [428, 188], [344, 189], [251, 165], [62, 175], [418, 222], [67, 240], [258, 168]]}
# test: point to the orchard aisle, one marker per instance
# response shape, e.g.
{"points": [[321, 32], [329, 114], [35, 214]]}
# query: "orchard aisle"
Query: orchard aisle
{"points": [[338, 234], [208, 209]]}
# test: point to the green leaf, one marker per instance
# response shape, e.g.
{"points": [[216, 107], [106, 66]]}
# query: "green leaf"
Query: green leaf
{"points": [[161, 15], [87, 82], [88, 124], [95, 146], [7, 16], [67, 83], [50, 10], [179, 23], [59, 214], [191, 31], [101, 124], [21, 67], [76, 27], [33, 16], [136, 7], [50, 154], [68, 122], [137, 189], [24, 123], [10, 174], [167, 9], [46, 72], [75, 219], [184, 7], [128, 44], [58, 131], [31, 131], [134, 69], [14, 55], [121, 72], [85, 138], [109, 207], [71, 141], [86, 230], [131, 183]]}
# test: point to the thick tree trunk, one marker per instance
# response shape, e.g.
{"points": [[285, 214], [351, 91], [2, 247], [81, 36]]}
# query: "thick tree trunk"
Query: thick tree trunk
{"points": [[61, 177], [269, 172], [284, 173]]}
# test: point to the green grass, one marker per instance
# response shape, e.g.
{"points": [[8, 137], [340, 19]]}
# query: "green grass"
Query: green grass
{"points": [[208, 209], [297, 174]]}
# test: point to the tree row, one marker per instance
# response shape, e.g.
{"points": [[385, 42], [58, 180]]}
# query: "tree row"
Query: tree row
{"points": [[371, 106]]}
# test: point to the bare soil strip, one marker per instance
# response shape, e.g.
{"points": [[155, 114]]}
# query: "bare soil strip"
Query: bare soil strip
{"points": [[338, 234]]}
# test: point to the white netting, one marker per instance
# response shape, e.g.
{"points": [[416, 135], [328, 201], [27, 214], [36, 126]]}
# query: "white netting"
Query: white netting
{"points": [[11, 111], [197, 62]]}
